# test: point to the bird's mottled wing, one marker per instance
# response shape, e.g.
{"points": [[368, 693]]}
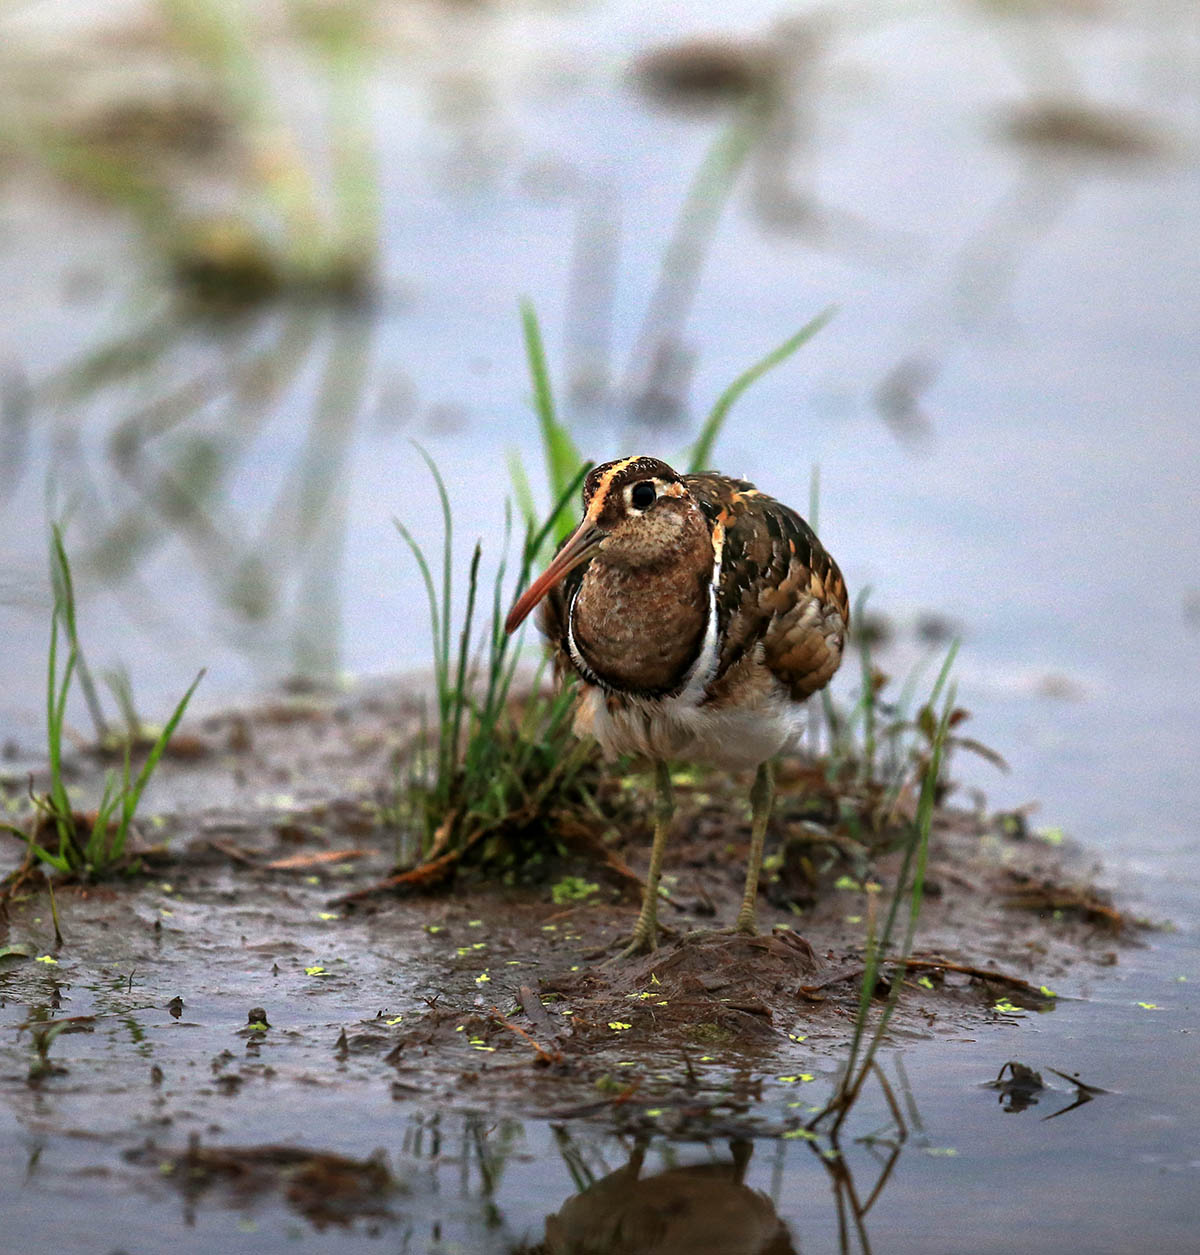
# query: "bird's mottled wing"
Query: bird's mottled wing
{"points": [[778, 586]]}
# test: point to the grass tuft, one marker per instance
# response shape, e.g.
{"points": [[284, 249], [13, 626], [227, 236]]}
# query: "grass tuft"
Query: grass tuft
{"points": [[491, 766], [561, 454], [91, 844], [496, 761]]}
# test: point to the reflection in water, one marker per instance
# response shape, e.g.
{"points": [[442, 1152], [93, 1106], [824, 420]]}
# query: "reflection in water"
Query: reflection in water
{"points": [[1063, 139], [185, 465], [708, 1207], [16, 415], [1019, 1087], [255, 240], [446, 1180], [770, 87], [325, 1188], [690, 1210]]}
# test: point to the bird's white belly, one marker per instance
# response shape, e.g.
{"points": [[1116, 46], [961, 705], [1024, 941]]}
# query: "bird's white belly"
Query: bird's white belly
{"points": [[677, 728]]}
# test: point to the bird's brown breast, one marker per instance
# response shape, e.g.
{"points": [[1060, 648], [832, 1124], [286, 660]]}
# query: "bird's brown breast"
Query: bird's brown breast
{"points": [[639, 628]]}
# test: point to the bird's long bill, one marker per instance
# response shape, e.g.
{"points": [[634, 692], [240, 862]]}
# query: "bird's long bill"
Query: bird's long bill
{"points": [[579, 547]]}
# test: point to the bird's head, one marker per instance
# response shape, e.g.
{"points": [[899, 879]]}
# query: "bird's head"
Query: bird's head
{"points": [[636, 512]]}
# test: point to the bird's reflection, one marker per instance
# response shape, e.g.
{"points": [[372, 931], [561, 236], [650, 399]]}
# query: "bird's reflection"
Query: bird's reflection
{"points": [[698, 1209]]}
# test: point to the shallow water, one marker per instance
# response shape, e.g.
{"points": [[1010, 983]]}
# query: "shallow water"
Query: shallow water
{"points": [[1038, 490], [95, 1154]]}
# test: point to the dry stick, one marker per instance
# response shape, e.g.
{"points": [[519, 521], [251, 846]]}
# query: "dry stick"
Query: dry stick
{"points": [[58, 937], [1064, 898], [981, 973], [545, 1055], [292, 862], [318, 858], [419, 877], [232, 851], [539, 1017], [934, 965], [591, 1108]]}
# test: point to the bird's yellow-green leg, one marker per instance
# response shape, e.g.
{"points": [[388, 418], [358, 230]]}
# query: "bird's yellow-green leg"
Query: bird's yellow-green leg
{"points": [[761, 797], [645, 931]]}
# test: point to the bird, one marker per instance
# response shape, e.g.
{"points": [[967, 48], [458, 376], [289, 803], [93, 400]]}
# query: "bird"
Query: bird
{"points": [[699, 615]]}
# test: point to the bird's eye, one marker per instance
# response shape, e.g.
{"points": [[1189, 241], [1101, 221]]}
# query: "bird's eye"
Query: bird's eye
{"points": [[642, 496]]}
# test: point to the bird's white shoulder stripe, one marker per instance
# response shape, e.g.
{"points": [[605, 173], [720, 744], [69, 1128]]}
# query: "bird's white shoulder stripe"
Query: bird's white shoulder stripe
{"points": [[573, 649], [705, 666]]}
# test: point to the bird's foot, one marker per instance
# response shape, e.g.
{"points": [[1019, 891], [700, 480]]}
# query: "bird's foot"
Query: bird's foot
{"points": [[705, 934], [747, 919], [643, 941], [745, 927]]}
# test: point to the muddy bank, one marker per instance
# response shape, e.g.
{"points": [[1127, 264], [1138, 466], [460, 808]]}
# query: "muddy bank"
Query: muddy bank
{"points": [[269, 822]]}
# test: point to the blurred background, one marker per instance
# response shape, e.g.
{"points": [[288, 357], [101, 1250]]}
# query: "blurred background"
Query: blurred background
{"points": [[253, 251]]}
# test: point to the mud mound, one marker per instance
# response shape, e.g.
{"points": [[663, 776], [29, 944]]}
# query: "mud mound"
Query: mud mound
{"points": [[704, 982], [721, 964]]}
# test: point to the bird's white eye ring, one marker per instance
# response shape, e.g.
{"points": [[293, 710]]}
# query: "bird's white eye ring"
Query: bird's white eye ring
{"points": [[642, 496]]}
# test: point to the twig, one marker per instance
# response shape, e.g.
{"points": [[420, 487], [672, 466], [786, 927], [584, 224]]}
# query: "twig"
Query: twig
{"points": [[539, 1017], [422, 877], [1032, 896], [592, 1108], [933, 965], [232, 851], [58, 937], [300, 862], [545, 1056]]}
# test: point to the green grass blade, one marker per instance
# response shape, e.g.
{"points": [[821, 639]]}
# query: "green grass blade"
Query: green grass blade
{"points": [[117, 848], [56, 717], [944, 673], [96, 852], [121, 687], [701, 451], [910, 851], [53, 727], [498, 638], [523, 492], [129, 801], [463, 680], [431, 594], [911, 874], [924, 826], [442, 644], [64, 599], [59, 864], [562, 457]]}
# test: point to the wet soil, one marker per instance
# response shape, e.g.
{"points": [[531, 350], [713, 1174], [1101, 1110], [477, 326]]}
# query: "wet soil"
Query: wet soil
{"points": [[242, 951]]}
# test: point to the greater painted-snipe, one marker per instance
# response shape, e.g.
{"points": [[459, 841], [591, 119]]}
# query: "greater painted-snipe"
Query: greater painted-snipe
{"points": [[700, 614]]}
